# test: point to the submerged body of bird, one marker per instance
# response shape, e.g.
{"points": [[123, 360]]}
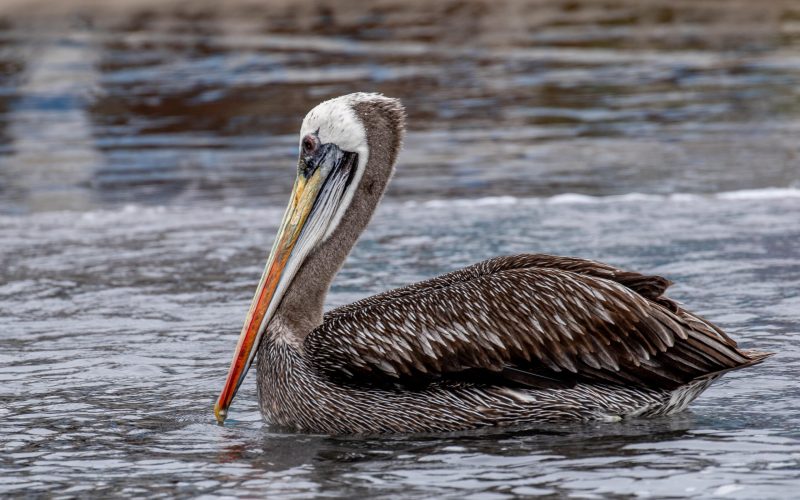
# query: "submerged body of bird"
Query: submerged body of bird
{"points": [[512, 340]]}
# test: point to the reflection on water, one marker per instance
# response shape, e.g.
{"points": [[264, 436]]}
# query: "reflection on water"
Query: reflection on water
{"points": [[52, 151], [168, 128], [183, 102]]}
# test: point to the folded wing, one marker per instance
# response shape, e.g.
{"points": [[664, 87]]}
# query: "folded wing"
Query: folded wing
{"points": [[525, 317]]}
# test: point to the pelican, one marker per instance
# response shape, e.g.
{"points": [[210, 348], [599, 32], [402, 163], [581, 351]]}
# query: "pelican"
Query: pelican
{"points": [[513, 340]]}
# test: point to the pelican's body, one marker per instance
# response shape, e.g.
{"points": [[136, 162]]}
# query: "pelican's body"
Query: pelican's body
{"points": [[509, 341]]}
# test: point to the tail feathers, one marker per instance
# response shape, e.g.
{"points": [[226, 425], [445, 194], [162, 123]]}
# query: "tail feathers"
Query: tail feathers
{"points": [[756, 356], [678, 399], [753, 356]]}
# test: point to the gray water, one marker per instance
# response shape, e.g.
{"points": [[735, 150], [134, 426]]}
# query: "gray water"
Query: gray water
{"points": [[146, 155]]}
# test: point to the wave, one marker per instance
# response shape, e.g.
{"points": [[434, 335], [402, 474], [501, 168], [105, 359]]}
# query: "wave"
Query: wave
{"points": [[772, 193], [274, 211]]}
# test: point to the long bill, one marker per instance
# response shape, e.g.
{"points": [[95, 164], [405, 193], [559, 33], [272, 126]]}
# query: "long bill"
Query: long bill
{"points": [[270, 288]]}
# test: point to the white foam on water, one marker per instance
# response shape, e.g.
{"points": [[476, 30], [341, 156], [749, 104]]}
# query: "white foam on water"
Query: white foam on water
{"points": [[760, 194], [147, 212], [771, 193]]}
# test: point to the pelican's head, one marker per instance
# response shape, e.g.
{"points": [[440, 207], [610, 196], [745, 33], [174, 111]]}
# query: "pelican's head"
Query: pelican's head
{"points": [[348, 146]]}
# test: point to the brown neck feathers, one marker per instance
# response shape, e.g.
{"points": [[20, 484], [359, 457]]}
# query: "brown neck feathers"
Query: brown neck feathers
{"points": [[302, 307]]}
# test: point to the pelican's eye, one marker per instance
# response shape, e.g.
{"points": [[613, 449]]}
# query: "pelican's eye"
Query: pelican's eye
{"points": [[309, 144]]}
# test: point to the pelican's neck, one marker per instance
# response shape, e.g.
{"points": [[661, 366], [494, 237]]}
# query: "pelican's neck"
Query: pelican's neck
{"points": [[301, 309]]}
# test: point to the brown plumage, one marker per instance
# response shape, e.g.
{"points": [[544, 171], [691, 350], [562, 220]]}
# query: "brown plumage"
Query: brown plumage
{"points": [[563, 318], [508, 341]]}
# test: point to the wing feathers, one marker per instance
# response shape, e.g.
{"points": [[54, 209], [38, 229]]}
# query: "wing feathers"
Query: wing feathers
{"points": [[548, 317]]}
